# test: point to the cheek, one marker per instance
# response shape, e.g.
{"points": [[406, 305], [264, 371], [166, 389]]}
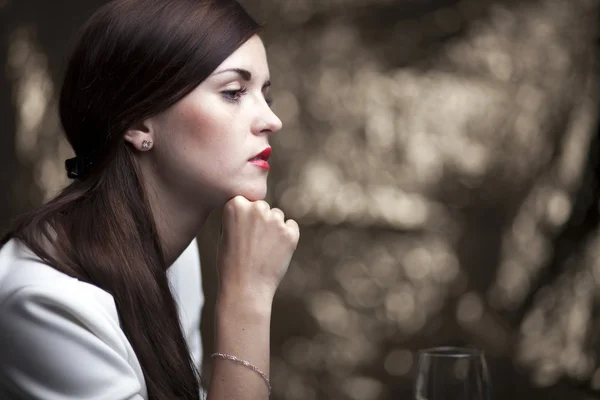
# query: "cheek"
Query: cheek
{"points": [[206, 145], [216, 136], [196, 123], [211, 148], [192, 130]]}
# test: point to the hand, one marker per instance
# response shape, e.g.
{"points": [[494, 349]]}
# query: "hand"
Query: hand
{"points": [[255, 248]]}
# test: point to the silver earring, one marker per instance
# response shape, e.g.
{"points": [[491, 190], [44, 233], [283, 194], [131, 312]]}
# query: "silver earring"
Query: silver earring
{"points": [[146, 144]]}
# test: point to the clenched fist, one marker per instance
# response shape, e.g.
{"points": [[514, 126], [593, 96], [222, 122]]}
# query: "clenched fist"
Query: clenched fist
{"points": [[255, 248]]}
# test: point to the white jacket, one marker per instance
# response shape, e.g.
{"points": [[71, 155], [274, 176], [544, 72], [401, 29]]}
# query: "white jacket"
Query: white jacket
{"points": [[60, 338]]}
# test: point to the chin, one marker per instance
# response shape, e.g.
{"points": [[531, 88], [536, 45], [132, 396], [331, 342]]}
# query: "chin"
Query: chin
{"points": [[254, 196], [253, 193]]}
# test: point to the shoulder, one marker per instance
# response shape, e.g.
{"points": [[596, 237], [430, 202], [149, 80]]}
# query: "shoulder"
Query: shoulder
{"points": [[46, 318], [31, 289], [24, 276]]}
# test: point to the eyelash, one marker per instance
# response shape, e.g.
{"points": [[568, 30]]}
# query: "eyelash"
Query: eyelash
{"points": [[236, 95]]}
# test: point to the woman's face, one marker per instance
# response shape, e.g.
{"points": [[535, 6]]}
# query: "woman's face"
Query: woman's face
{"points": [[205, 143]]}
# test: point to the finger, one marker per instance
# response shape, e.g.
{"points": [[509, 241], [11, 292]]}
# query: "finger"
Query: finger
{"points": [[240, 201], [293, 225], [293, 229], [277, 213], [234, 204], [262, 206]]}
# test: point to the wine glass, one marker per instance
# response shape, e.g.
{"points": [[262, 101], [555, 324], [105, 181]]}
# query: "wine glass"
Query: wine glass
{"points": [[452, 373]]}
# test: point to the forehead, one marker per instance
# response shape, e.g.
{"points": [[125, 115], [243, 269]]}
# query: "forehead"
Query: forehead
{"points": [[251, 56]]}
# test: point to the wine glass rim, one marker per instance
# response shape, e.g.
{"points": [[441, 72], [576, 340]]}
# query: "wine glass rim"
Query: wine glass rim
{"points": [[452, 351]]}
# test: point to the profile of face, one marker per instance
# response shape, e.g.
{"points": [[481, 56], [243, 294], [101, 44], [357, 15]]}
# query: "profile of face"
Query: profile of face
{"points": [[204, 145]]}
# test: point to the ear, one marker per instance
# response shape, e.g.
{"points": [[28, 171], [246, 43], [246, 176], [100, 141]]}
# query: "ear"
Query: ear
{"points": [[140, 135]]}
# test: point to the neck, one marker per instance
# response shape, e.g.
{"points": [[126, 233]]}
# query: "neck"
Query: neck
{"points": [[177, 220]]}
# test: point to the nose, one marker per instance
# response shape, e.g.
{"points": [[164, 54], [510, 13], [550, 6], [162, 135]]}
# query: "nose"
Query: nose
{"points": [[267, 121]]}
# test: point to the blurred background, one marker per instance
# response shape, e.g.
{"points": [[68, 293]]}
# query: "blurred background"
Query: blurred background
{"points": [[441, 157]]}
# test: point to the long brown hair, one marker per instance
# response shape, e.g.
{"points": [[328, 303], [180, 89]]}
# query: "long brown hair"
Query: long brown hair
{"points": [[133, 59]]}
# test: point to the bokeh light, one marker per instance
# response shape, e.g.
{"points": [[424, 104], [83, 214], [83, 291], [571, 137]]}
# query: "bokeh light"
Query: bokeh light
{"points": [[437, 157]]}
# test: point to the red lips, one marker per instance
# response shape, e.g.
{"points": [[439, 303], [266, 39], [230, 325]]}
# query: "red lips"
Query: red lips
{"points": [[261, 159]]}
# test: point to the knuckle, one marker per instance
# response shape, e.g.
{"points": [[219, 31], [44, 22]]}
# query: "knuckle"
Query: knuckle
{"points": [[261, 206], [239, 200], [292, 224], [277, 213], [235, 203], [230, 206]]}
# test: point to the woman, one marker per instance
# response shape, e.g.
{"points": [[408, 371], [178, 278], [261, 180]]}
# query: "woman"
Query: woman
{"points": [[165, 103]]}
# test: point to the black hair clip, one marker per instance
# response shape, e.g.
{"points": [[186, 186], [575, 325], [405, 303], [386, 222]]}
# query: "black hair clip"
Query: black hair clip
{"points": [[78, 167]]}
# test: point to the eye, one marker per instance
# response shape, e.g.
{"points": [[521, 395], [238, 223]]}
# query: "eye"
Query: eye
{"points": [[269, 101], [234, 95]]}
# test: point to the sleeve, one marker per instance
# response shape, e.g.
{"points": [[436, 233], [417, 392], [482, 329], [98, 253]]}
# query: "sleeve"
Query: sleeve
{"points": [[57, 345]]}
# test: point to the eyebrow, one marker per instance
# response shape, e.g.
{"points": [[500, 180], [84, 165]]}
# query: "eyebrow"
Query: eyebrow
{"points": [[244, 74]]}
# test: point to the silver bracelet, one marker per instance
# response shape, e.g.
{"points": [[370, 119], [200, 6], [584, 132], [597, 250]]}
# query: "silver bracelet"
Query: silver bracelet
{"points": [[245, 364]]}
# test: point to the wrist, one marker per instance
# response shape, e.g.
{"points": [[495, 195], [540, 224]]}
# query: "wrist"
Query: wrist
{"points": [[243, 305]]}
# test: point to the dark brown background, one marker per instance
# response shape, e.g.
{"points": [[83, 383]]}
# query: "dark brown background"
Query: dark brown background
{"points": [[441, 158]]}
